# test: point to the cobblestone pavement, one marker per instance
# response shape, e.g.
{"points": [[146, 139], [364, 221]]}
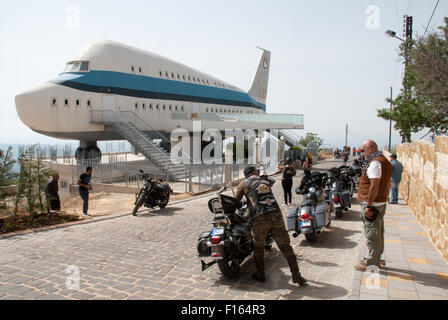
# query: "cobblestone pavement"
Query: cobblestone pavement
{"points": [[414, 270], [153, 256]]}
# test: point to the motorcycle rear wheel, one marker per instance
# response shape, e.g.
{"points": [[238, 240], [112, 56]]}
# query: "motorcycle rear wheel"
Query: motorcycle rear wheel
{"points": [[310, 237], [339, 214], [230, 268], [138, 204]]}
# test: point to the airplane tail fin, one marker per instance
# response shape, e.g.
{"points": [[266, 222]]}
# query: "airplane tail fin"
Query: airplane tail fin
{"points": [[259, 88]]}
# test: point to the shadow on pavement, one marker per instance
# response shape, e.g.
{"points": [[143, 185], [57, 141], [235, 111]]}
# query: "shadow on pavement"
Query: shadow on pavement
{"points": [[426, 279], [335, 237], [168, 211]]}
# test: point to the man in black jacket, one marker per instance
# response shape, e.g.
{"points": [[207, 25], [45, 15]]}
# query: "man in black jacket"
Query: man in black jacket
{"points": [[84, 187], [53, 193]]}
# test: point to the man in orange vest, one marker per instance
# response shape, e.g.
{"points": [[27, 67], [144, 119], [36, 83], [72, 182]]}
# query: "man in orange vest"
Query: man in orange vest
{"points": [[373, 192], [359, 152], [354, 151]]}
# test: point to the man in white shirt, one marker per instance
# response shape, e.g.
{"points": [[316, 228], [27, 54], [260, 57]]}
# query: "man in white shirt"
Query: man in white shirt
{"points": [[373, 192]]}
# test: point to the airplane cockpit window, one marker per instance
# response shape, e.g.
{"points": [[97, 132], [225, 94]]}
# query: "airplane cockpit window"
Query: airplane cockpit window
{"points": [[77, 66]]}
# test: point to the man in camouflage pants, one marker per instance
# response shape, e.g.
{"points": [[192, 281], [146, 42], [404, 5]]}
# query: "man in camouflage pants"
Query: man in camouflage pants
{"points": [[262, 225]]}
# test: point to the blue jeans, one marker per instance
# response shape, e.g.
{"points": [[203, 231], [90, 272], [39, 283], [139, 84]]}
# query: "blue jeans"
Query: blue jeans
{"points": [[84, 193], [394, 191]]}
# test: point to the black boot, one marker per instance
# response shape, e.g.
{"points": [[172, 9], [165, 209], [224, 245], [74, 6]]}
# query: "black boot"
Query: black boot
{"points": [[259, 264], [294, 267]]}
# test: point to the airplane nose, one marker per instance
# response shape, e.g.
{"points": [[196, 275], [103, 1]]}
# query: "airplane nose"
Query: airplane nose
{"points": [[24, 107], [33, 106]]}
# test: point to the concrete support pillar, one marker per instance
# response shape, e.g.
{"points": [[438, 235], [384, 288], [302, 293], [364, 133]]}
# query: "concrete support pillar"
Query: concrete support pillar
{"points": [[228, 167], [282, 148]]}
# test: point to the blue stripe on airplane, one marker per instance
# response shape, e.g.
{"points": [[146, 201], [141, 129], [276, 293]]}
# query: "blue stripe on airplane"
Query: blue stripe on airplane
{"points": [[165, 89]]}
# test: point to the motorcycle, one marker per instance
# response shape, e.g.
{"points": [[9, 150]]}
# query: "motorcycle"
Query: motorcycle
{"points": [[347, 182], [355, 171], [339, 189], [229, 243], [315, 212], [152, 194]]}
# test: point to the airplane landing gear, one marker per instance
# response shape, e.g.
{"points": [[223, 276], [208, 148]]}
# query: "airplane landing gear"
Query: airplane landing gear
{"points": [[88, 153]]}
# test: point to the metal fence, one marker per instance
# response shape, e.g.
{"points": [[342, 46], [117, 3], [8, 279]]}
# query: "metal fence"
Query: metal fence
{"points": [[197, 178]]}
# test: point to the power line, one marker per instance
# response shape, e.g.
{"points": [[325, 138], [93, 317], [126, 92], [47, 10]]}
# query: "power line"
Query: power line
{"points": [[431, 17]]}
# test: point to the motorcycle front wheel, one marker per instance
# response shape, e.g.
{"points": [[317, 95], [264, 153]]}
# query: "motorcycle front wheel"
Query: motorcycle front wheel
{"points": [[138, 204]]}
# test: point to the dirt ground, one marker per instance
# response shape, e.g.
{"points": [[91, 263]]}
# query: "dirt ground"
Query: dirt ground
{"points": [[104, 203]]}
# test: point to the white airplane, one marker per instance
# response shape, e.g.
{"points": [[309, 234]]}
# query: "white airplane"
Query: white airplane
{"points": [[108, 82]]}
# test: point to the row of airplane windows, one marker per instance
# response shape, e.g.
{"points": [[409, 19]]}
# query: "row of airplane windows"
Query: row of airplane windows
{"points": [[181, 108], [177, 76], [77, 102], [88, 103], [158, 107]]}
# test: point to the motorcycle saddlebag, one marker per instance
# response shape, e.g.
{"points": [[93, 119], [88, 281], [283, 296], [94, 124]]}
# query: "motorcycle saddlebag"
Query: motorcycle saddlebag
{"points": [[240, 230], [346, 198], [319, 214], [291, 219]]}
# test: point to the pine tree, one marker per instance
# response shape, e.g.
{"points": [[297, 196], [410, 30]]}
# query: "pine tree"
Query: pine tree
{"points": [[7, 175]]}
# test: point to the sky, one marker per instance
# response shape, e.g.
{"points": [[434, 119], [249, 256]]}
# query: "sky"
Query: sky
{"points": [[331, 60]]}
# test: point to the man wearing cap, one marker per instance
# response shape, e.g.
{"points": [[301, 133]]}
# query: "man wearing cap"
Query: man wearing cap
{"points": [[397, 169], [270, 222], [373, 191]]}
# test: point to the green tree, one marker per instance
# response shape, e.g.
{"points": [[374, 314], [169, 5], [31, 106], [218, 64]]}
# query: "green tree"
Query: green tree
{"points": [[424, 101], [33, 178], [7, 175], [311, 138]]}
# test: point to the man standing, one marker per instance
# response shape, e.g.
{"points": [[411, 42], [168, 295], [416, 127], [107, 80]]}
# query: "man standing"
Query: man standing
{"points": [[288, 172], [373, 191], [84, 187], [267, 218], [397, 169], [346, 154], [53, 193]]}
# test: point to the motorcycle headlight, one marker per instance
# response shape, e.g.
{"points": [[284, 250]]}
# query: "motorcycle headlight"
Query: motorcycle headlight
{"points": [[312, 189]]}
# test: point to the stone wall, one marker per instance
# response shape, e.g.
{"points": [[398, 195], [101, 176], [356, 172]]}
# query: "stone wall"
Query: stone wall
{"points": [[424, 186]]}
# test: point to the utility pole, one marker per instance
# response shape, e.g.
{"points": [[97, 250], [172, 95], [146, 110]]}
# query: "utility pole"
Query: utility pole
{"points": [[390, 120], [407, 33], [346, 133]]}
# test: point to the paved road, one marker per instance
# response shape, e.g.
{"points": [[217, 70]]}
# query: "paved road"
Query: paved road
{"points": [[153, 256]]}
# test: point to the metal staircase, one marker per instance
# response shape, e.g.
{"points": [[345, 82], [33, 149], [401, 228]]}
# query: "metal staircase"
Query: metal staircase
{"points": [[129, 126], [291, 139]]}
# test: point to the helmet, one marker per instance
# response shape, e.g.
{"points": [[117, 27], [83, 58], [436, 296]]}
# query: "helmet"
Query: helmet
{"points": [[249, 170]]}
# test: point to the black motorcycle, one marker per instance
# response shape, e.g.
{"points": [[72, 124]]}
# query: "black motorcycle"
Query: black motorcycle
{"points": [[229, 243], [153, 193], [355, 171], [340, 188], [315, 212]]}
